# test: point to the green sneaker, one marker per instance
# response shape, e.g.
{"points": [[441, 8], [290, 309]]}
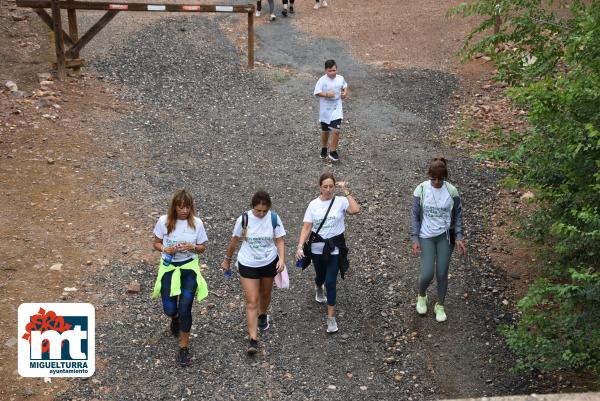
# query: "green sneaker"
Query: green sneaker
{"points": [[440, 314], [421, 304]]}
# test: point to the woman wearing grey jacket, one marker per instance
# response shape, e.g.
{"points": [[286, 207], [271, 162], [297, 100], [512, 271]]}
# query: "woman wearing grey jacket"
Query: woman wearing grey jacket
{"points": [[435, 227]]}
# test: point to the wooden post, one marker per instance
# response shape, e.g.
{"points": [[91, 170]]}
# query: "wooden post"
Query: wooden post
{"points": [[58, 40], [73, 33], [251, 39], [497, 18], [97, 27]]}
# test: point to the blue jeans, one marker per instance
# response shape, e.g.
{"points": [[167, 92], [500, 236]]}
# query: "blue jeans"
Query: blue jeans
{"points": [[327, 274], [188, 290]]}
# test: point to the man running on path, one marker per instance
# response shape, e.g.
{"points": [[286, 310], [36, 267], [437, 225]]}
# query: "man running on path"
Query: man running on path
{"points": [[331, 89]]}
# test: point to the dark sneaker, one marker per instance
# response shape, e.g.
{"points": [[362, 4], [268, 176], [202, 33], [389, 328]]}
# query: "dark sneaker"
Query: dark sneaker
{"points": [[175, 326], [323, 153], [263, 322], [291, 9], [334, 156], [252, 347], [284, 12], [183, 357]]}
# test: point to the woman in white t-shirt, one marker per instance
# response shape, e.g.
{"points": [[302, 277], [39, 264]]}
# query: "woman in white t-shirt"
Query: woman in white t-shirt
{"points": [[435, 227], [179, 235], [260, 258], [328, 246]]}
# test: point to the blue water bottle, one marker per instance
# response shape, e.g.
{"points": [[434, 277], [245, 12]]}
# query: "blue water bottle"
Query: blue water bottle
{"points": [[300, 262], [228, 274], [167, 259]]}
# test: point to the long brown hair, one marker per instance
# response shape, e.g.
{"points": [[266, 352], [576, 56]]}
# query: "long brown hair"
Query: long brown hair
{"points": [[181, 198]]}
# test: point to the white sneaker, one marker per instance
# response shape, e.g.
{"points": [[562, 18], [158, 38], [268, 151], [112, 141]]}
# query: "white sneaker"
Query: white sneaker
{"points": [[257, 13], [272, 17], [316, 7], [440, 313], [421, 304], [331, 325], [324, 3], [320, 295]]}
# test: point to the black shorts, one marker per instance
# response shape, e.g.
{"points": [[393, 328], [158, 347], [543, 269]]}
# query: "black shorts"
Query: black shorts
{"points": [[335, 125], [269, 270]]}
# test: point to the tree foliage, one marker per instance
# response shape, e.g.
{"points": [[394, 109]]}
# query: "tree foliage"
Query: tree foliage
{"points": [[549, 54]]}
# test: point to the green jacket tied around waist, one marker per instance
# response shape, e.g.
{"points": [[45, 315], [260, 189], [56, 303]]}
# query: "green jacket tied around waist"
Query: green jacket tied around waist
{"points": [[201, 291]]}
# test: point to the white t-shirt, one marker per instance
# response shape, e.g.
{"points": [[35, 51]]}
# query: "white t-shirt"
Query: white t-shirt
{"points": [[330, 108], [437, 210], [334, 225], [259, 247], [182, 233]]}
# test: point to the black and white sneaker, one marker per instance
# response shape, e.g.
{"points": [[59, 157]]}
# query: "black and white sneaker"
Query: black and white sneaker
{"points": [[252, 347], [183, 357], [334, 156], [323, 153], [263, 322], [291, 9], [284, 12], [174, 326]]}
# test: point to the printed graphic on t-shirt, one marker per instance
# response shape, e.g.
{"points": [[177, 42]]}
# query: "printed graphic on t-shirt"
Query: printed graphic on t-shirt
{"points": [[329, 223], [437, 211], [182, 233], [330, 108], [258, 249], [334, 224]]}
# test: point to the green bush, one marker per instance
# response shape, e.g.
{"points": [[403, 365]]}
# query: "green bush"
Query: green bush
{"points": [[549, 53]]}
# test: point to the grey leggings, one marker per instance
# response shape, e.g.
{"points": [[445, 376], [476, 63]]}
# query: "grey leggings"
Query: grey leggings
{"points": [[435, 256], [271, 6]]}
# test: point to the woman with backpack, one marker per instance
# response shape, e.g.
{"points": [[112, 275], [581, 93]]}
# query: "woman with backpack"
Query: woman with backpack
{"points": [[435, 228], [324, 229], [260, 258]]}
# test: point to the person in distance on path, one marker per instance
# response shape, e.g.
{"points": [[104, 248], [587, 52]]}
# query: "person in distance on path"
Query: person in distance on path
{"points": [[436, 226], [324, 223], [318, 4], [271, 9], [180, 237], [331, 88], [261, 257], [285, 10]]}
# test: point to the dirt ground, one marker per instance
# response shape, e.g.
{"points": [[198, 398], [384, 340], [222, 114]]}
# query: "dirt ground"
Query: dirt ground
{"points": [[60, 222]]}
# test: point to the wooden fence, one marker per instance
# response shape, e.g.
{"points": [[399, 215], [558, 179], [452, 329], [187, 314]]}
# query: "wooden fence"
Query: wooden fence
{"points": [[70, 58]]}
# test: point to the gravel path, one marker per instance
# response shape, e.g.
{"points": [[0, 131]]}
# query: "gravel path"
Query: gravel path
{"points": [[198, 119]]}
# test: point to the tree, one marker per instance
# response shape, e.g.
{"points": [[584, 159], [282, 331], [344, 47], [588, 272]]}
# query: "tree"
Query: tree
{"points": [[549, 54]]}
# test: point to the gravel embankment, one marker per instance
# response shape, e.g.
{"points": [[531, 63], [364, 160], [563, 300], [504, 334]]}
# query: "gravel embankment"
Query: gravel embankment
{"points": [[199, 119]]}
